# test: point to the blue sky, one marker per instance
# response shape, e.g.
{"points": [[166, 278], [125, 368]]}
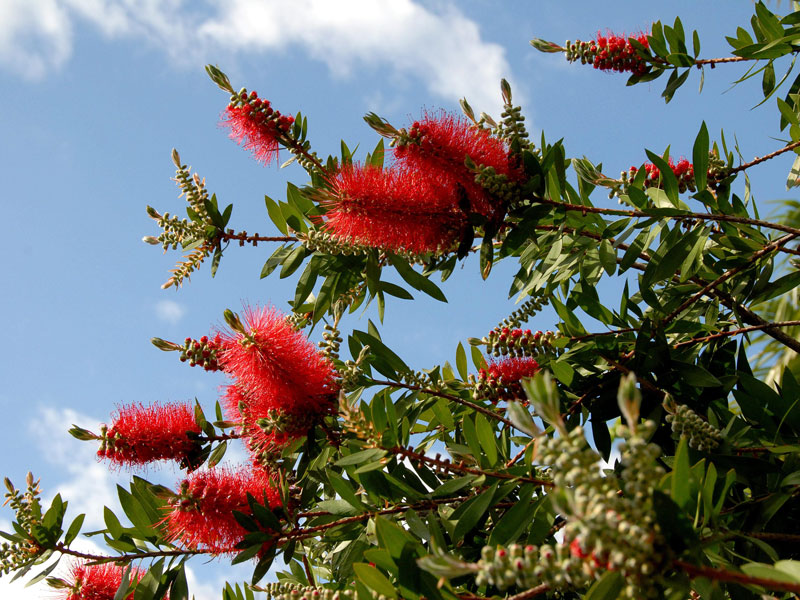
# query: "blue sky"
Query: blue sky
{"points": [[94, 94]]}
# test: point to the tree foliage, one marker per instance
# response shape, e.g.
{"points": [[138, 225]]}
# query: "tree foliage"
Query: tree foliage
{"points": [[646, 448]]}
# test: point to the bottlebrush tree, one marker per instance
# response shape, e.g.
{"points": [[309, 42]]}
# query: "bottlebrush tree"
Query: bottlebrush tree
{"points": [[368, 479]]}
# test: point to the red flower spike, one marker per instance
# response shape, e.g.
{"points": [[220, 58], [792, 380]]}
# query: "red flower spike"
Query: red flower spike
{"points": [[394, 209], [97, 582], [442, 142], [257, 440], [256, 126], [617, 54], [142, 434], [503, 378], [683, 170], [278, 366], [201, 517]]}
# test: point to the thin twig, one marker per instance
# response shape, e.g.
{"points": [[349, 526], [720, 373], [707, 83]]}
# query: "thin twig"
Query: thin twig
{"points": [[739, 331], [728, 274], [716, 574], [460, 468], [760, 159], [243, 238], [716, 61], [63, 549], [687, 216], [531, 593], [446, 396]]}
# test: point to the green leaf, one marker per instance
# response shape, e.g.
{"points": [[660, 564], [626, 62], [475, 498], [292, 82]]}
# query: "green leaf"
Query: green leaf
{"points": [[415, 280], [344, 489], [680, 475], [112, 523], [293, 261], [217, 454], [461, 361], [374, 579], [134, 511], [768, 572], [453, 485], [608, 587], [486, 438], [516, 519], [700, 158], [356, 458], [522, 420], [275, 215], [794, 174], [473, 513], [608, 257], [74, 529]]}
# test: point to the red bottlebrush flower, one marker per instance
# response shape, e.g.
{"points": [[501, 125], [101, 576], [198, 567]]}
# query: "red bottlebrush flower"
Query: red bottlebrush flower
{"points": [[96, 582], [256, 126], [502, 379], [438, 146], [201, 516], [615, 53], [683, 171], [394, 209], [142, 434], [610, 52], [278, 366], [263, 430]]}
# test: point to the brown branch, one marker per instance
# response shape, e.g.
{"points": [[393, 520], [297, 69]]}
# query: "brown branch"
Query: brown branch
{"points": [[307, 567], [520, 454], [688, 216], [715, 61], [243, 238], [759, 535], [728, 274], [748, 316], [531, 593], [760, 159], [220, 438], [301, 533], [63, 549], [739, 331], [456, 399], [461, 468], [716, 574]]}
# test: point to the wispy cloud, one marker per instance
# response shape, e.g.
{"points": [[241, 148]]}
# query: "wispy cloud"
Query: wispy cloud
{"points": [[441, 48], [169, 311]]}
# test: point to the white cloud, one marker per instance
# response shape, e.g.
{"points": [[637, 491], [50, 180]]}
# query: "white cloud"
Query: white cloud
{"points": [[169, 311], [442, 48]]}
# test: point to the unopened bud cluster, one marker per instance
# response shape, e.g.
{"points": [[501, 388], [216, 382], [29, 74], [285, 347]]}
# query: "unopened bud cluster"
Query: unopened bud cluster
{"points": [[609, 53], [285, 591], [683, 171], [283, 422], [527, 567], [26, 505], [322, 241], [513, 127], [331, 341], [503, 341], [420, 379], [611, 522], [526, 310], [497, 184], [175, 231], [201, 353], [502, 380], [350, 374], [261, 111], [699, 433]]}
